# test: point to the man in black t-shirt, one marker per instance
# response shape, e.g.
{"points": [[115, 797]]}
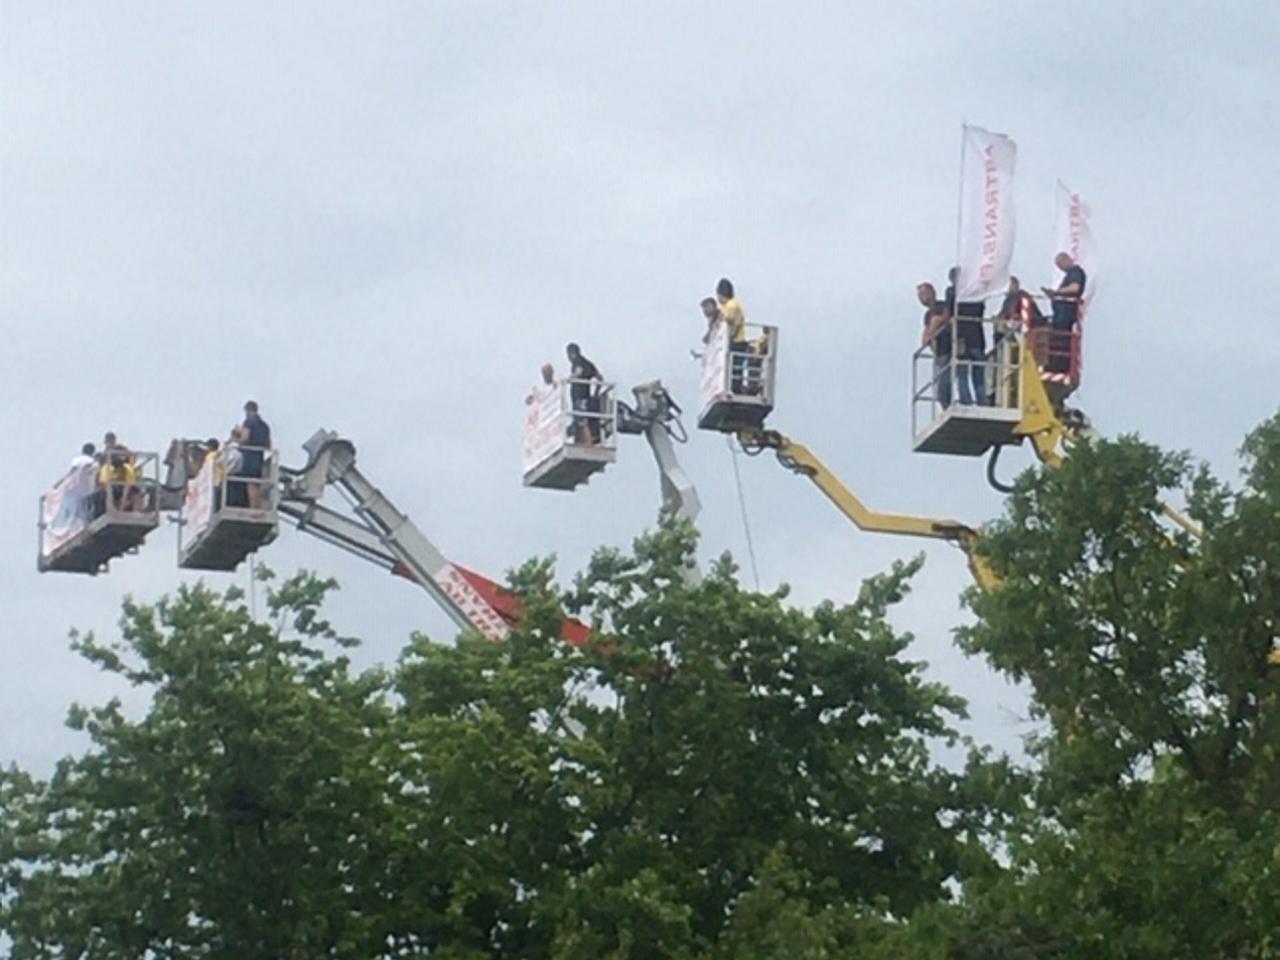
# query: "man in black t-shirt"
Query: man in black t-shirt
{"points": [[255, 434], [583, 395], [937, 335], [973, 342], [1066, 300], [1019, 311], [1019, 308]]}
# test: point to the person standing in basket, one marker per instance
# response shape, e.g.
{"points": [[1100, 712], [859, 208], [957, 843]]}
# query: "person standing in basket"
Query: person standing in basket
{"points": [[255, 438], [735, 319], [584, 395]]}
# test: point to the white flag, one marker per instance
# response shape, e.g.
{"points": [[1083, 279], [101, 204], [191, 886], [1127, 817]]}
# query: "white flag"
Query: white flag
{"points": [[1073, 236], [987, 223]]}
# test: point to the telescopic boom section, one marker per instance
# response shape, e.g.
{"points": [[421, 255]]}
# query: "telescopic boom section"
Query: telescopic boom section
{"points": [[381, 534], [800, 459], [657, 416]]}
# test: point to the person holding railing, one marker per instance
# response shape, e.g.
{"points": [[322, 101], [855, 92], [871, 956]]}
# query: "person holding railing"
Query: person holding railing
{"points": [[936, 336], [584, 395], [118, 479], [1065, 298]]}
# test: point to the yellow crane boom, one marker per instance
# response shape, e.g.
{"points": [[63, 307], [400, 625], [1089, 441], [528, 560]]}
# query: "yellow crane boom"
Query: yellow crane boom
{"points": [[800, 459]]}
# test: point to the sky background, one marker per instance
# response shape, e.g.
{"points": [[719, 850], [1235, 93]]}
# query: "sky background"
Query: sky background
{"points": [[382, 218]]}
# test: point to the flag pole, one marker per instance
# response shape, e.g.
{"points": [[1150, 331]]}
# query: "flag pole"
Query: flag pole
{"points": [[964, 128], [955, 306]]}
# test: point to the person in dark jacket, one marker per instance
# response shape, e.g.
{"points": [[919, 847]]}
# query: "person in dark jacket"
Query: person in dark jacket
{"points": [[584, 395], [1066, 299], [971, 349], [936, 334], [255, 439]]}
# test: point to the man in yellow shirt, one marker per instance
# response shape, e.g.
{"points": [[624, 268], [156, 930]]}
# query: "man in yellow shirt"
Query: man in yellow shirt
{"points": [[731, 311], [119, 478], [740, 363]]}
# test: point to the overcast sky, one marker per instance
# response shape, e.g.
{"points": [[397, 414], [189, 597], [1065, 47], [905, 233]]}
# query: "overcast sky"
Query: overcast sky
{"points": [[382, 218]]}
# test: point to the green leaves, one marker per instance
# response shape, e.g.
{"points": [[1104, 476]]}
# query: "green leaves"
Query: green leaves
{"points": [[1150, 830], [230, 819], [712, 763], [715, 774]]}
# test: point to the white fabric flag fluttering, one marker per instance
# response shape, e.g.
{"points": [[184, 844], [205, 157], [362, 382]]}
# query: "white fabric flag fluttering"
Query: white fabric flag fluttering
{"points": [[987, 222], [1073, 236]]}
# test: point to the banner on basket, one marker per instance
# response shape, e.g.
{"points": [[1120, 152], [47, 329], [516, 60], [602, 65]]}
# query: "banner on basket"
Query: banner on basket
{"points": [[64, 513], [197, 507], [711, 382], [544, 425]]}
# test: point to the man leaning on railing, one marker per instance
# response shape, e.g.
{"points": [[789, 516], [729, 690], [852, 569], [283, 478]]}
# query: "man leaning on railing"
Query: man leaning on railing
{"points": [[936, 336]]}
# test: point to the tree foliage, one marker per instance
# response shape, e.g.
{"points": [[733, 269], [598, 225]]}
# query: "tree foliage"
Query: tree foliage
{"points": [[1154, 825], [715, 775], [713, 769]]}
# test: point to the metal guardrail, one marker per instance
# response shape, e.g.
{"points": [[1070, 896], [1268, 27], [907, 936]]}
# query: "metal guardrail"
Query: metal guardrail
{"points": [[258, 469], [991, 378], [596, 412], [745, 369], [78, 500]]}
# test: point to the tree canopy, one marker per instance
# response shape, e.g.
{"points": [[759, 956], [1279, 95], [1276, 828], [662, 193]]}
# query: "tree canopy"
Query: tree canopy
{"points": [[713, 761], [1151, 828], [716, 774]]}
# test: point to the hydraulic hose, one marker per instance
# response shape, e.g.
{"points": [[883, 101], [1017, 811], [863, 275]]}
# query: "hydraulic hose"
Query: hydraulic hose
{"points": [[991, 470]]}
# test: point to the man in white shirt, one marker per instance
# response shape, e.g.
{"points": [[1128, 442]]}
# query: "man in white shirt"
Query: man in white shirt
{"points": [[84, 473]]}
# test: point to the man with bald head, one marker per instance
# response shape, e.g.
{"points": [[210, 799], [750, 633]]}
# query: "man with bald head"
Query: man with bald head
{"points": [[1066, 311]]}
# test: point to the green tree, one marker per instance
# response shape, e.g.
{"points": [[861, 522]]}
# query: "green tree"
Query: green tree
{"points": [[715, 774], [620, 800], [236, 819], [1154, 824]]}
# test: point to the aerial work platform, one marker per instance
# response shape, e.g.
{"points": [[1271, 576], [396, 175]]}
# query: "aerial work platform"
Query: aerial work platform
{"points": [[966, 430], [229, 510], [967, 406], [570, 433], [736, 381], [85, 524]]}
